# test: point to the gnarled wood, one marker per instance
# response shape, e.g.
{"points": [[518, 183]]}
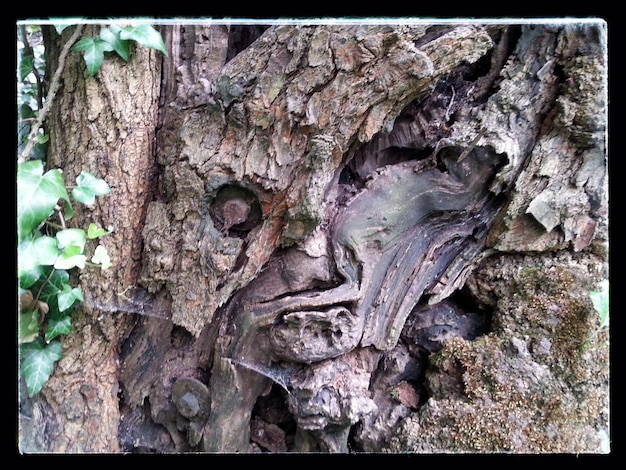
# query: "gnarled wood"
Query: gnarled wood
{"points": [[329, 233], [267, 128]]}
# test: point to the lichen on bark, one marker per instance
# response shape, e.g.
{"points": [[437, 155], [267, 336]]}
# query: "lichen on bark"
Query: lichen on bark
{"points": [[532, 385]]}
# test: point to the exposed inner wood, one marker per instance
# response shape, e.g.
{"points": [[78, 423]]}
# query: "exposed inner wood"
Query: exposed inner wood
{"points": [[327, 198]]}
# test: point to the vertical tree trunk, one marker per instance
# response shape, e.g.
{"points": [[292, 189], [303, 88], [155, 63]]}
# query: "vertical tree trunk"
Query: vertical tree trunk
{"points": [[105, 125], [321, 233]]}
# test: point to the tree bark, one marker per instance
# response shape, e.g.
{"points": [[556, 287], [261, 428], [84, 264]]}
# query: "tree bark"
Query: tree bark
{"points": [[105, 125], [318, 231]]}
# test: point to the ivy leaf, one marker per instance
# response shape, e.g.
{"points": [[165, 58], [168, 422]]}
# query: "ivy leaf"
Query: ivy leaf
{"points": [[54, 283], [71, 238], [26, 66], [37, 195], [50, 285], [26, 112], [60, 27], [600, 301], [31, 255], [68, 296], [28, 326], [57, 327], [69, 261], [72, 242], [101, 256], [145, 35], [93, 52], [28, 271], [88, 187], [112, 36], [61, 23], [95, 232], [39, 360], [45, 250]]}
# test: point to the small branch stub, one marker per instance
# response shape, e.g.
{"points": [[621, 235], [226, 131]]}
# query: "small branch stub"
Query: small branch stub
{"points": [[191, 398], [235, 208]]}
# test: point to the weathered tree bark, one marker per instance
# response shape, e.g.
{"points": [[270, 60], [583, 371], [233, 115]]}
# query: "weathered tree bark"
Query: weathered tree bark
{"points": [[321, 226], [104, 125]]}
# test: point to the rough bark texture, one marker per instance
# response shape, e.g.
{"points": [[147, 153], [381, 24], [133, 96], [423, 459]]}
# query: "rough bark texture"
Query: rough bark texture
{"points": [[347, 237], [105, 125]]}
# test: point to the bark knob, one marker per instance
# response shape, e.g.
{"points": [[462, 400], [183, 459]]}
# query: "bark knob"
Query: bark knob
{"points": [[191, 398]]}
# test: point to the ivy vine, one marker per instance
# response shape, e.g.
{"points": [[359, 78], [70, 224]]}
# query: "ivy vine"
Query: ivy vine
{"points": [[48, 248]]}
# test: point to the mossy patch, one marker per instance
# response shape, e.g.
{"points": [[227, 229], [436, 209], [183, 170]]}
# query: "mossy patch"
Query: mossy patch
{"points": [[530, 385]]}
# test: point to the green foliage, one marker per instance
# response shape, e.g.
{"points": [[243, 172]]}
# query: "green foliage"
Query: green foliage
{"points": [[46, 296], [101, 257], [37, 195], [30, 70], [39, 358], [47, 248], [600, 301], [117, 39], [26, 67], [145, 35], [93, 50], [95, 232], [88, 187], [120, 46]]}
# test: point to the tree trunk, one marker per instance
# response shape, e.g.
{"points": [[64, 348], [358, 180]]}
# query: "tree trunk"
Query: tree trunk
{"points": [[104, 125], [338, 237]]}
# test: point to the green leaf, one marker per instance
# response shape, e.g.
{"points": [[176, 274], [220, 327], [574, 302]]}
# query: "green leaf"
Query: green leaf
{"points": [[45, 250], [28, 277], [55, 282], [73, 239], [26, 112], [89, 181], [112, 36], [36, 251], [95, 232], [600, 301], [52, 282], [37, 195], [61, 23], [72, 242], [69, 261], [26, 66], [58, 327], [84, 196], [28, 326], [31, 255], [60, 27], [38, 365], [93, 52], [145, 35], [68, 296], [101, 256], [88, 187], [28, 266]]}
